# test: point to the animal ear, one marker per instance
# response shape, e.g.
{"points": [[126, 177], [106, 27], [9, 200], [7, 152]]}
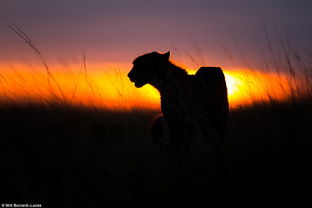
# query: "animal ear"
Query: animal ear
{"points": [[166, 55]]}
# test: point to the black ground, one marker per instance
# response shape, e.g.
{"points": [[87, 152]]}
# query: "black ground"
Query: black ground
{"points": [[58, 155]]}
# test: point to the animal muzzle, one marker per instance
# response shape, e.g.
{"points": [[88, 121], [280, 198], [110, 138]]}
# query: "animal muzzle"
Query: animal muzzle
{"points": [[131, 77]]}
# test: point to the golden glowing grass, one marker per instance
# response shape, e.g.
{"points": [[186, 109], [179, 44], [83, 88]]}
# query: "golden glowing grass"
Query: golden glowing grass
{"points": [[108, 87], [246, 87]]}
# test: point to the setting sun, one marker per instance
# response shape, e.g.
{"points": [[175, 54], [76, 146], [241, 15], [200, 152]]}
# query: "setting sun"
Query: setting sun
{"points": [[108, 87]]}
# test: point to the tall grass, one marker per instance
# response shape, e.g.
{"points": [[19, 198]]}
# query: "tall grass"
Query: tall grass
{"points": [[59, 153], [76, 156], [20, 33]]}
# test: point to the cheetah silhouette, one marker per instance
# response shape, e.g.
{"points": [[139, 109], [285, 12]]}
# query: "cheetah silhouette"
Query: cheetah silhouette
{"points": [[192, 105]]}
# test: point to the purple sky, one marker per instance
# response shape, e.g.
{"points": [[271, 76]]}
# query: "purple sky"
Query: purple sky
{"points": [[214, 31]]}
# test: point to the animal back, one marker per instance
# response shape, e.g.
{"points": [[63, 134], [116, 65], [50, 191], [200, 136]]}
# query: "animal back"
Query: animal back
{"points": [[212, 85]]}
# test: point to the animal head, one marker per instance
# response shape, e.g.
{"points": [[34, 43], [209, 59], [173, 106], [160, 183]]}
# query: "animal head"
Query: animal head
{"points": [[148, 68]]}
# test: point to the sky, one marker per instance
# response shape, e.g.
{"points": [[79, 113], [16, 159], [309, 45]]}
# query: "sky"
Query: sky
{"points": [[215, 32]]}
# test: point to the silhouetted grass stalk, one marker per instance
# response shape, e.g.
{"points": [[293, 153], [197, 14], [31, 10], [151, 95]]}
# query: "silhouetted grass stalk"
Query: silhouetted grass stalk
{"points": [[84, 55], [20, 33]]}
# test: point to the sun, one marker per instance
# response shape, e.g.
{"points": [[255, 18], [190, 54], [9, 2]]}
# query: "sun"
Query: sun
{"points": [[233, 84]]}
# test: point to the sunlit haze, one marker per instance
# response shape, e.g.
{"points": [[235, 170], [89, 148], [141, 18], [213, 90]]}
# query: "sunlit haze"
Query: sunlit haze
{"points": [[108, 86]]}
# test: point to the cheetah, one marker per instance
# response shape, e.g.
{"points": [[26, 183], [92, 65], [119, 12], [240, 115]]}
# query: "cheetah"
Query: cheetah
{"points": [[192, 105]]}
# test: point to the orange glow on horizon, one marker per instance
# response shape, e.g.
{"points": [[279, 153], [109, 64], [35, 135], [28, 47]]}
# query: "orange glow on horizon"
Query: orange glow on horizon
{"points": [[108, 86]]}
